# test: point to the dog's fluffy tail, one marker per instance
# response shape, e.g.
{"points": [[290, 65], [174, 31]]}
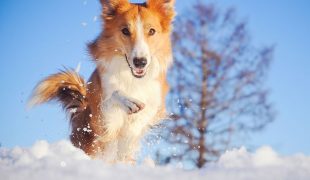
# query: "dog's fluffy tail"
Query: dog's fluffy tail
{"points": [[67, 87]]}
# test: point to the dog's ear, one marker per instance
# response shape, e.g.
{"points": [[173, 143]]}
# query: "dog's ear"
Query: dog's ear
{"points": [[165, 8], [111, 7]]}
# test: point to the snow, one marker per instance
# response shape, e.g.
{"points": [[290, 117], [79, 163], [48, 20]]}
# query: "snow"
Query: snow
{"points": [[95, 18], [63, 161], [84, 24]]}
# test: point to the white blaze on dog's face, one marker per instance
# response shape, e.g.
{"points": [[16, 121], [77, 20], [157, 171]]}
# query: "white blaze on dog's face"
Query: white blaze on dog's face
{"points": [[140, 33], [140, 57]]}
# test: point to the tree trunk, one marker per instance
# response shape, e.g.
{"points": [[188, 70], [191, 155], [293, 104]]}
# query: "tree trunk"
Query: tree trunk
{"points": [[202, 125]]}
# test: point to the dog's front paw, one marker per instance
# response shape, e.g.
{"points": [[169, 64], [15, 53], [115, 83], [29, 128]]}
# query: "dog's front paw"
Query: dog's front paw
{"points": [[130, 105]]}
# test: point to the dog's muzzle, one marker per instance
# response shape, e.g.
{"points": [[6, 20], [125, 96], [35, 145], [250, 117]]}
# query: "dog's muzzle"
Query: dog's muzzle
{"points": [[139, 69]]}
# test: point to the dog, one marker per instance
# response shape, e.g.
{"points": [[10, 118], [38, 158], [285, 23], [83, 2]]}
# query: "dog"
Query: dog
{"points": [[125, 95]]}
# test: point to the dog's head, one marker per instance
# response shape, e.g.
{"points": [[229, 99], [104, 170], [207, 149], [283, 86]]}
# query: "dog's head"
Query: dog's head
{"points": [[139, 33]]}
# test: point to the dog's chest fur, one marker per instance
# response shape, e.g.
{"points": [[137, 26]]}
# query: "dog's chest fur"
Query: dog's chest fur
{"points": [[118, 77], [124, 130]]}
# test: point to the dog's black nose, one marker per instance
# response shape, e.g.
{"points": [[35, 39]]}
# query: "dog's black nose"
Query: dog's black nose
{"points": [[140, 62]]}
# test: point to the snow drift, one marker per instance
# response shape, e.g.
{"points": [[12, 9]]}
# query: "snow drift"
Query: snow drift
{"points": [[63, 161]]}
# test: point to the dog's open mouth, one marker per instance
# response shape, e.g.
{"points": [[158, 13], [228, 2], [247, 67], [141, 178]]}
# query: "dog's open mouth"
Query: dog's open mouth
{"points": [[136, 72]]}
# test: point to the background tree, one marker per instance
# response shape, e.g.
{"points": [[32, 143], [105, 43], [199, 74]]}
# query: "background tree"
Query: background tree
{"points": [[217, 85]]}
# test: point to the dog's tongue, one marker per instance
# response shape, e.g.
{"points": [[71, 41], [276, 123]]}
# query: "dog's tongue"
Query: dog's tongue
{"points": [[139, 71]]}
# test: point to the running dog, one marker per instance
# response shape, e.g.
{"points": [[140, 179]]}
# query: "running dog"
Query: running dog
{"points": [[125, 95]]}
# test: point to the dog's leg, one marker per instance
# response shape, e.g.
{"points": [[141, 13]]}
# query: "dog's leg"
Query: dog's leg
{"points": [[128, 104], [115, 111], [127, 148]]}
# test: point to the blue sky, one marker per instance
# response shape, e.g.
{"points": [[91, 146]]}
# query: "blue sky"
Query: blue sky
{"points": [[38, 37]]}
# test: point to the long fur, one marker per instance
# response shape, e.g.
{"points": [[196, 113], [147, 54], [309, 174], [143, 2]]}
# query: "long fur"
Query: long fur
{"points": [[67, 87], [112, 111]]}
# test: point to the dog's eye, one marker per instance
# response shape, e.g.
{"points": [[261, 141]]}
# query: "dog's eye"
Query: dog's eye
{"points": [[152, 32], [126, 31]]}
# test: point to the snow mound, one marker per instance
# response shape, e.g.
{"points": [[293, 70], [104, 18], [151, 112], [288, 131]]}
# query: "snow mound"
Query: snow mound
{"points": [[63, 161]]}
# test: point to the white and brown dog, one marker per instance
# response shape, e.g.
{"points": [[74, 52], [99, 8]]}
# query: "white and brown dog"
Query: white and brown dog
{"points": [[125, 95]]}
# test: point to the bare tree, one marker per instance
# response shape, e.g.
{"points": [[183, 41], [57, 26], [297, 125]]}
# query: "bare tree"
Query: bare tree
{"points": [[217, 85]]}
